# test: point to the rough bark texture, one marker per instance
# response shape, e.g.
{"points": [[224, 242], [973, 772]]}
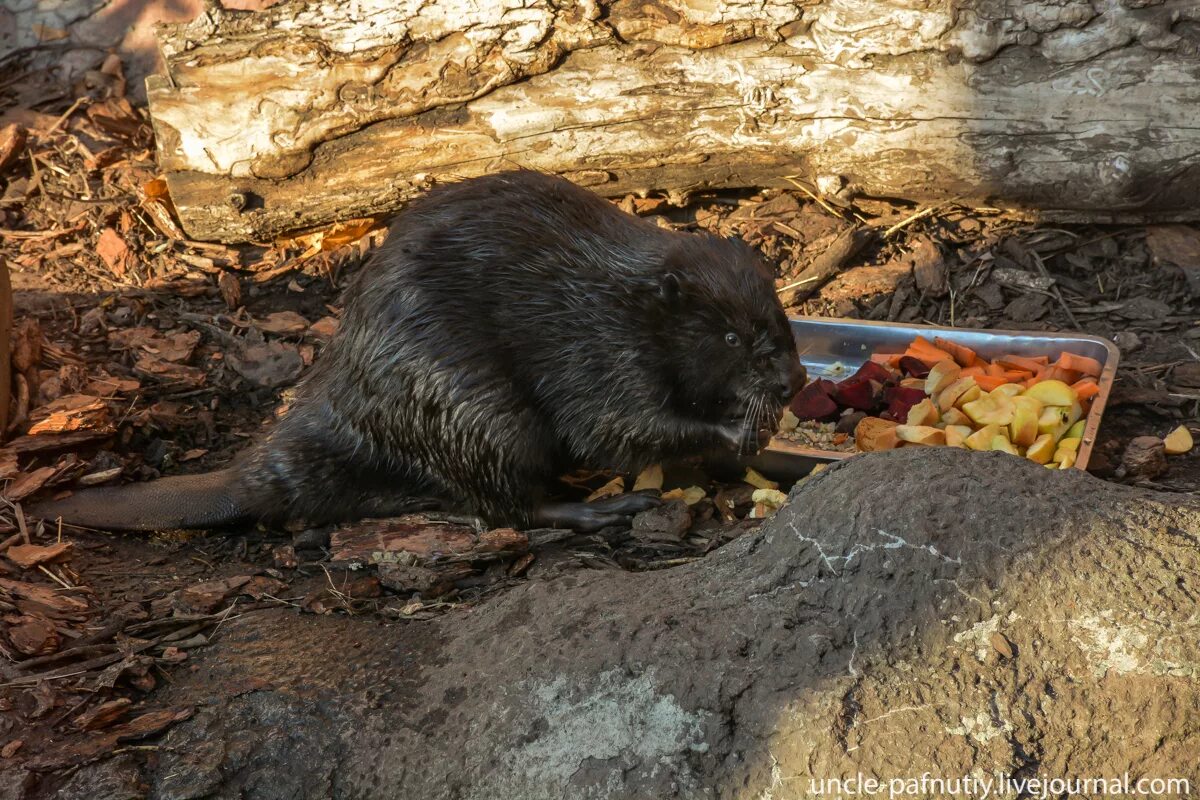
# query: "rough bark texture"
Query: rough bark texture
{"points": [[920, 611], [305, 113]]}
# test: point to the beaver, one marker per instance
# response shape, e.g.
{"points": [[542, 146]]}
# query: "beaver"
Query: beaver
{"points": [[511, 327]]}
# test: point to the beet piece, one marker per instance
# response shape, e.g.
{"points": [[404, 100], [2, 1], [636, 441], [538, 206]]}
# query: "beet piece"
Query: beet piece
{"points": [[914, 367], [860, 393], [814, 403], [875, 372], [899, 400]]}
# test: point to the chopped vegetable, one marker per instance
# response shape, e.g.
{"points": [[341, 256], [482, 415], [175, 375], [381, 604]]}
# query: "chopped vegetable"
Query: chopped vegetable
{"points": [[1178, 441]]}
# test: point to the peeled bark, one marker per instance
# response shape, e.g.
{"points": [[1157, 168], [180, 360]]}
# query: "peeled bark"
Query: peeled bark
{"points": [[304, 114], [921, 611]]}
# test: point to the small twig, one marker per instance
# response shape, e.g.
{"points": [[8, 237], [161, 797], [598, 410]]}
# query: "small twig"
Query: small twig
{"points": [[224, 616], [56, 579], [20, 514], [64, 655], [1057, 294], [904, 223], [74, 107], [817, 199]]}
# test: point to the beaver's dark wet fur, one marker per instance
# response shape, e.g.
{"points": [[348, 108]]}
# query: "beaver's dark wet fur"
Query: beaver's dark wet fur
{"points": [[512, 327]]}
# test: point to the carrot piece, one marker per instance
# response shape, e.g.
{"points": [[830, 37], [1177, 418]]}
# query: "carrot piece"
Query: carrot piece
{"points": [[1057, 373], [1086, 388], [1017, 375], [887, 359], [989, 382], [926, 353], [963, 355], [972, 372], [1030, 365], [1081, 364], [995, 370], [928, 358]]}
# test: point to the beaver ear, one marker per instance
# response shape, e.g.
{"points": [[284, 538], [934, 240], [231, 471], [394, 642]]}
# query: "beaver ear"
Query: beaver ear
{"points": [[668, 289]]}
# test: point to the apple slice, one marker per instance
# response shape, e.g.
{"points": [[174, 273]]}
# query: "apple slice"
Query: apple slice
{"points": [[1069, 443], [956, 435], [956, 417], [1024, 426], [1178, 441], [1042, 449], [969, 396], [982, 438], [1076, 430], [1007, 390], [948, 397], [1000, 442], [1067, 461], [1053, 393], [923, 413], [921, 434], [941, 375], [991, 409], [873, 434], [1053, 420]]}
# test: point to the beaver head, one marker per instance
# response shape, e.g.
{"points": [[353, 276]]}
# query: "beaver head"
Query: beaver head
{"points": [[741, 363]]}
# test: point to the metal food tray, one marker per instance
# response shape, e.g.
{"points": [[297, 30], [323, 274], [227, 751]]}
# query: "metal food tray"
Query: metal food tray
{"points": [[835, 348]]}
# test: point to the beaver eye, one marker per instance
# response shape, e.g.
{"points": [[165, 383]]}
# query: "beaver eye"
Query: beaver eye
{"points": [[732, 339]]}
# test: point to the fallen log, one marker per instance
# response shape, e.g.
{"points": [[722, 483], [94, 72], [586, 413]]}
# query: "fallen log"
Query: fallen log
{"points": [[921, 611], [305, 114]]}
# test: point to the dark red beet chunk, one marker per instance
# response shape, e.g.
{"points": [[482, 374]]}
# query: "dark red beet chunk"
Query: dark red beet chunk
{"points": [[814, 403], [899, 400], [860, 393], [914, 367], [875, 372]]}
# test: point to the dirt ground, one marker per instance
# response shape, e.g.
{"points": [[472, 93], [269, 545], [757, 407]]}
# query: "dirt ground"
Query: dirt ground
{"points": [[140, 353]]}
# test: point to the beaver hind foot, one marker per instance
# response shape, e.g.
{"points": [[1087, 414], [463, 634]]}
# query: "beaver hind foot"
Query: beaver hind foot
{"points": [[596, 515]]}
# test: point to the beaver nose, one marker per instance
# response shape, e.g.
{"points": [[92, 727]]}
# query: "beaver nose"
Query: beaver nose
{"points": [[797, 377]]}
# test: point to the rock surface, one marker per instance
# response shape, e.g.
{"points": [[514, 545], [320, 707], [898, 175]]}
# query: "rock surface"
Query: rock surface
{"points": [[924, 610]]}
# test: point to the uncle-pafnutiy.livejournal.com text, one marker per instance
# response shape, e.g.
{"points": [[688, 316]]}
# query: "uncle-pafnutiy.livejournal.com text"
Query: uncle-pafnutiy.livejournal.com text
{"points": [[999, 785]]}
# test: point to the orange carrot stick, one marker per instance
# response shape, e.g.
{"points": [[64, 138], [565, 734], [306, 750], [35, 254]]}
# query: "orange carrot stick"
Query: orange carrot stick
{"points": [[1086, 388], [1030, 365], [963, 355], [1080, 364]]}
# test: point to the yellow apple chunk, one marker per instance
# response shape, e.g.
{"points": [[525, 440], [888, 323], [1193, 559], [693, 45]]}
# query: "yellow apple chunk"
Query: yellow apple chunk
{"points": [[921, 434], [956, 417], [991, 409], [956, 435], [923, 413], [1076, 429], [1069, 443], [969, 396], [1178, 441], [949, 396], [1024, 427], [982, 438], [1053, 420], [1001, 442], [941, 375], [1042, 449], [1067, 461], [1007, 390], [1053, 393]]}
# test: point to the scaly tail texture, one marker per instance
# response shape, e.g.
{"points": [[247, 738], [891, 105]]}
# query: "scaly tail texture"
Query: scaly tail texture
{"points": [[182, 501]]}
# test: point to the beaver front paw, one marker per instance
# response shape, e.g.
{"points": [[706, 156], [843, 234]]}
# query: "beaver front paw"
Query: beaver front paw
{"points": [[743, 439]]}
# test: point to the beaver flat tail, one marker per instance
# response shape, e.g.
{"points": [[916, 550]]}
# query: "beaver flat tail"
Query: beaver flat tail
{"points": [[181, 501]]}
